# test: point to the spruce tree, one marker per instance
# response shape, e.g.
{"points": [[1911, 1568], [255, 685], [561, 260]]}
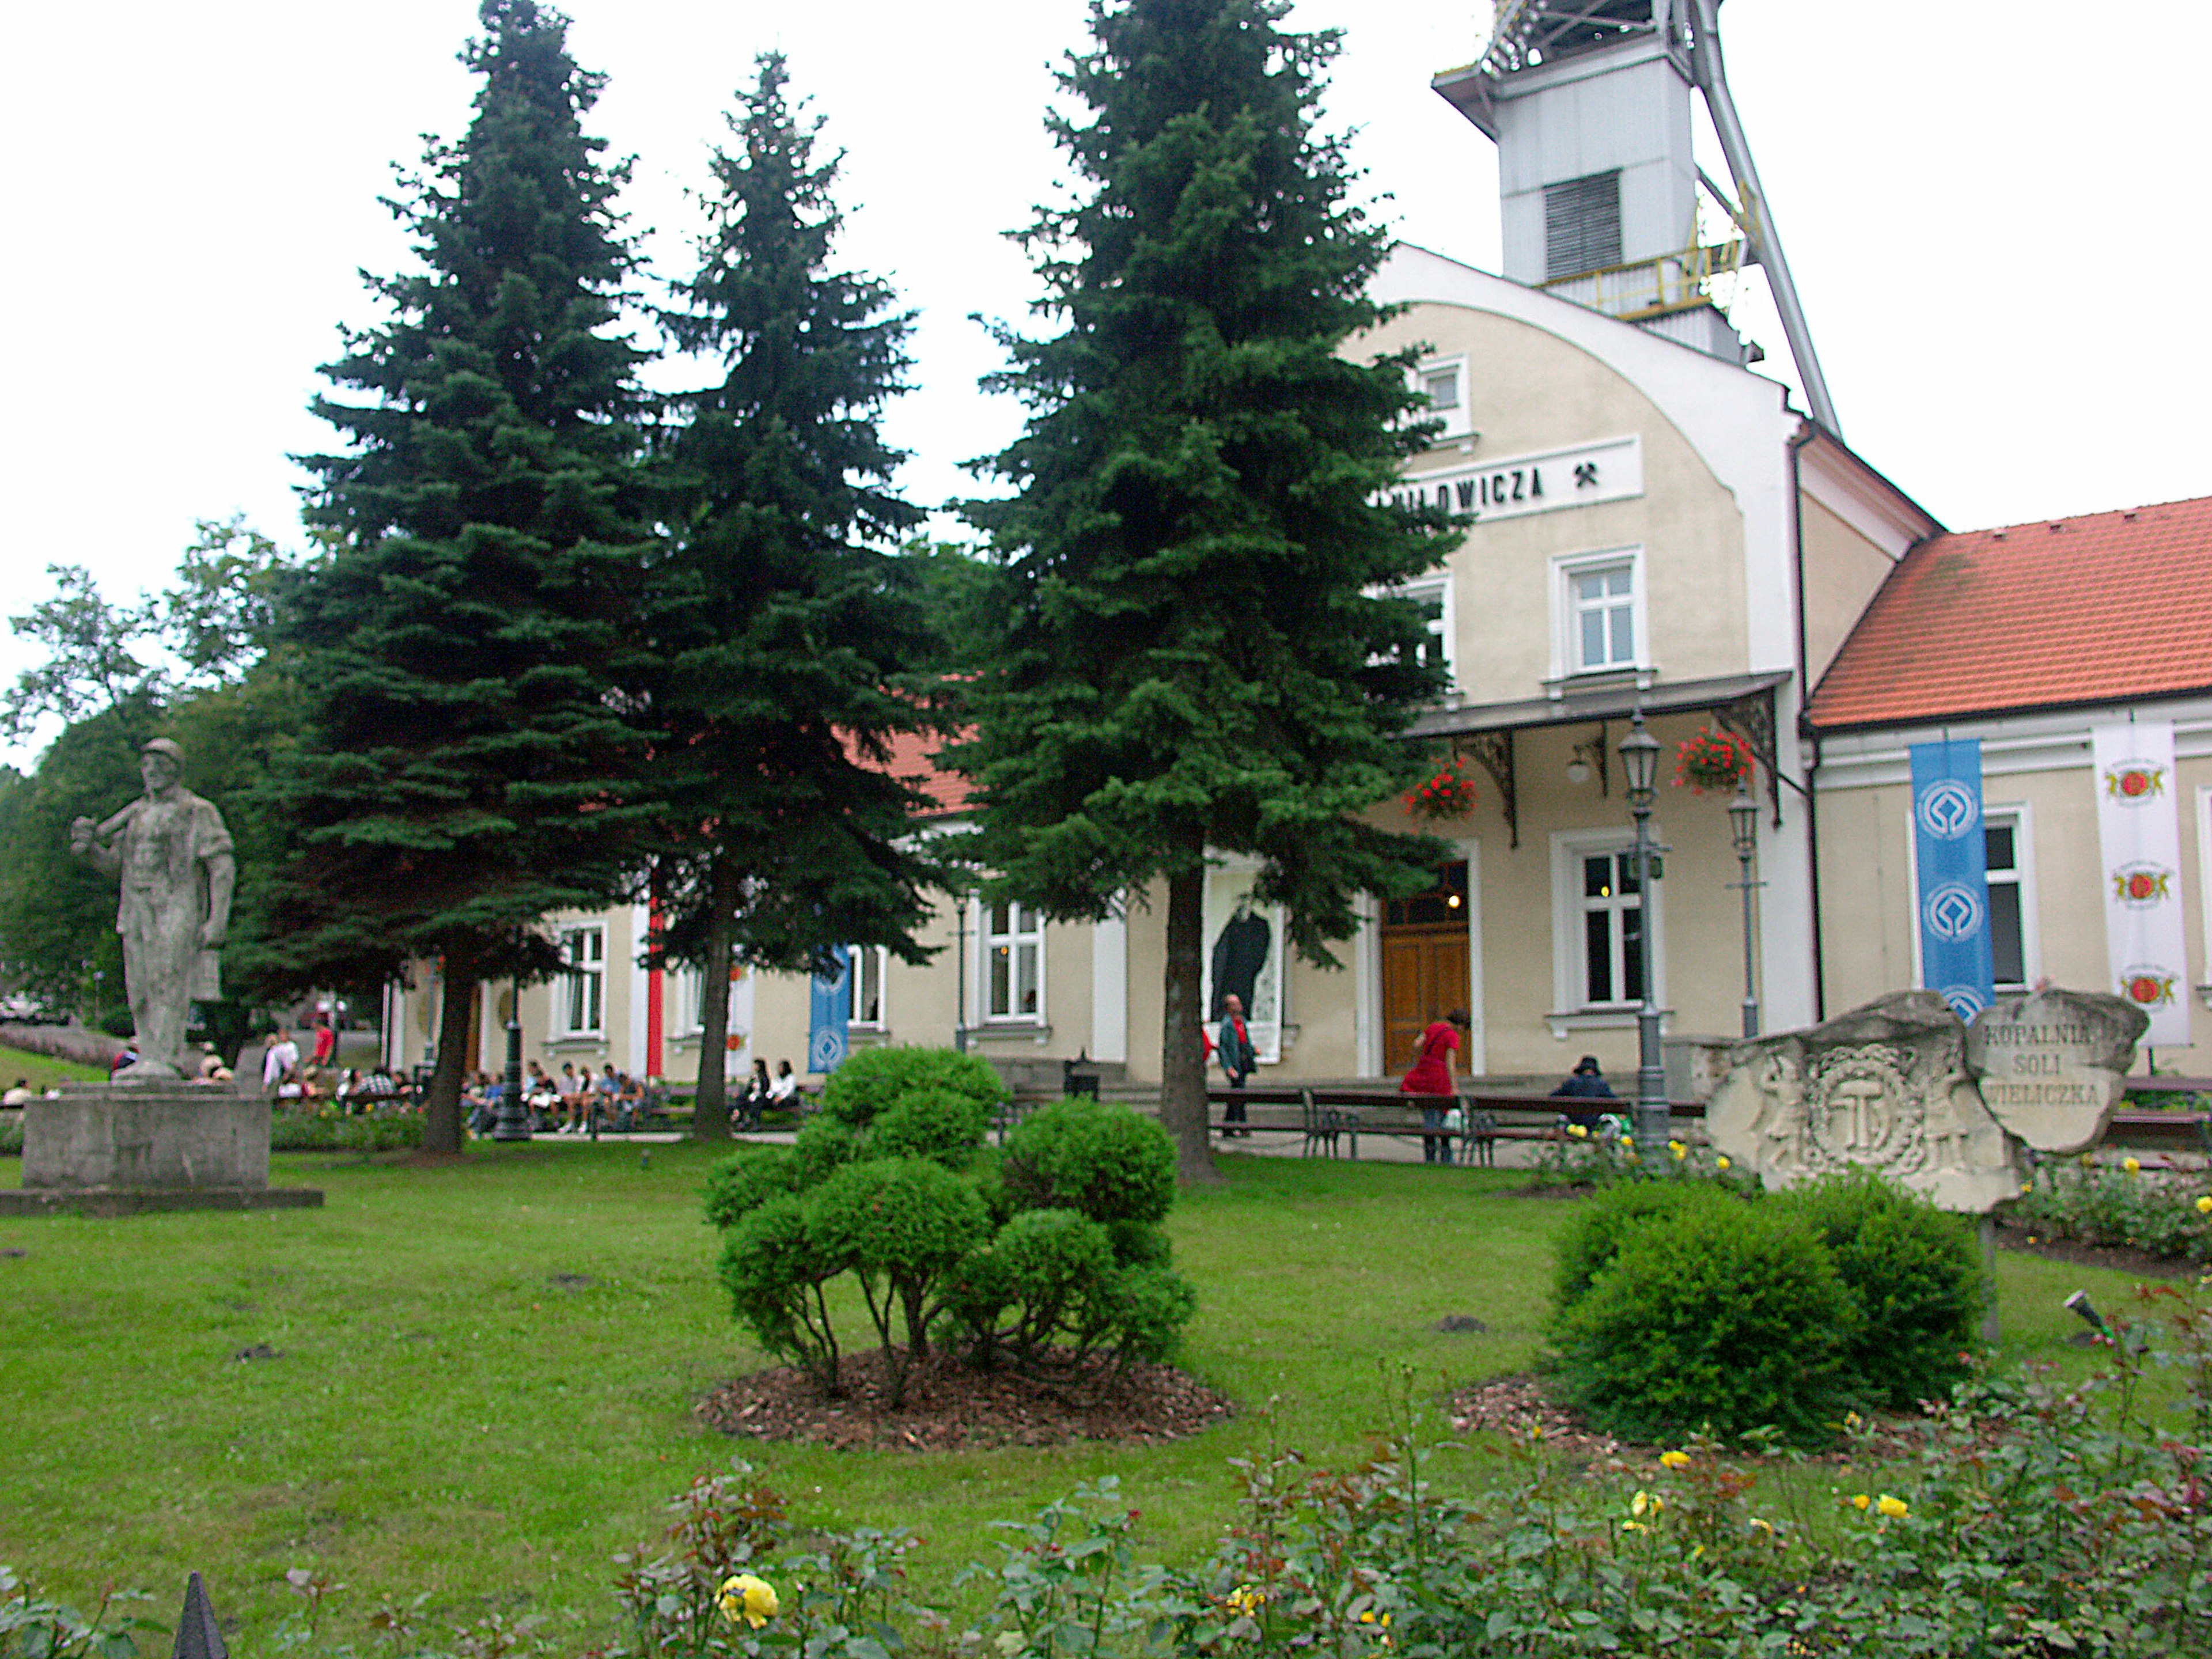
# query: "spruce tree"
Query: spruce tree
{"points": [[776, 630], [1198, 657], [465, 768]]}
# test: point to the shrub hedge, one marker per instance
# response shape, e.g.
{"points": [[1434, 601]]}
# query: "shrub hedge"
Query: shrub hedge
{"points": [[1104, 1161]]}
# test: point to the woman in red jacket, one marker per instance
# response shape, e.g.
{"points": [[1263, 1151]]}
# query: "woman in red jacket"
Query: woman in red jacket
{"points": [[1432, 1075]]}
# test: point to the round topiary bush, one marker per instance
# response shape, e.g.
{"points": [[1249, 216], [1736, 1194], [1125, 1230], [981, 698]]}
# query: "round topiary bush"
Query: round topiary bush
{"points": [[941, 1124], [821, 1149], [1726, 1316], [738, 1186], [1105, 1161], [1593, 1236], [871, 1081], [774, 1269], [1915, 1278]]}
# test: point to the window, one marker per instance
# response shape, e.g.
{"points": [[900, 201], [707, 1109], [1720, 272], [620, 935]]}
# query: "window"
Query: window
{"points": [[1014, 963], [681, 1000], [2000, 840], [1600, 600], [1612, 930], [1441, 386], [1434, 599], [866, 977], [580, 998], [1582, 224]]}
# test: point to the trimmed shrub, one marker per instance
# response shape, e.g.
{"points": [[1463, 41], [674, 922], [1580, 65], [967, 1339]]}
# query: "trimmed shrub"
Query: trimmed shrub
{"points": [[1050, 1276], [1593, 1238], [774, 1270], [1147, 1308], [871, 1081], [1105, 1161], [1138, 1244], [820, 1149], [1720, 1315], [738, 1186], [901, 1225], [319, 1132], [941, 1124], [1914, 1275], [1053, 1259]]}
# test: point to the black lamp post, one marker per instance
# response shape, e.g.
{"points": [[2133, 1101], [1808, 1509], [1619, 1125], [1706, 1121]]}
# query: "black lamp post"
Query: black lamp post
{"points": [[1743, 827], [512, 1121], [1639, 768]]}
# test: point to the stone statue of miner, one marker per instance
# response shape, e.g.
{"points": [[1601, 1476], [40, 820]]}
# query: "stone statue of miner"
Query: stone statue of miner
{"points": [[173, 852]]}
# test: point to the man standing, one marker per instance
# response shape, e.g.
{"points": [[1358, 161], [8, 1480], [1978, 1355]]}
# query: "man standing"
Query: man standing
{"points": [[284, 1055], [1237, 1058]]}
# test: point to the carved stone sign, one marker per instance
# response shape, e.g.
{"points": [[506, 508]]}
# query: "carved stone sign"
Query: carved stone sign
{"points": [[1893, 1085], [2053, 1065]]}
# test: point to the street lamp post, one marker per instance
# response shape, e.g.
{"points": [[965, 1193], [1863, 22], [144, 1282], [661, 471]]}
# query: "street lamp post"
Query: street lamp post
{"points": [[1639, 767], [512, 1121], [1743, 827]]}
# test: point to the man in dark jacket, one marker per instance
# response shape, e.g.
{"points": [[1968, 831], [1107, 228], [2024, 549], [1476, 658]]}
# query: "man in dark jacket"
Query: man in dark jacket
{"points": [[1238, 1057], [1585, 1083]]}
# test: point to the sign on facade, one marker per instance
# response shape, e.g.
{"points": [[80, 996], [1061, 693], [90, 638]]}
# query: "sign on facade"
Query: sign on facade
{"points": [[2139, 834], [1951, 860], [1518, 485]]}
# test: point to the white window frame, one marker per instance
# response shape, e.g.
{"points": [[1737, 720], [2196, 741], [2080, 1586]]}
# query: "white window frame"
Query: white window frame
{"points": [[987, 944], [1566, 619], [1457, 415], [1444, 628], [859, 958], [584, 948], [1570, 1006]]}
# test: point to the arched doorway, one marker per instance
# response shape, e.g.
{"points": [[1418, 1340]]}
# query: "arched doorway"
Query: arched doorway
{"points": [[1425, 966]]}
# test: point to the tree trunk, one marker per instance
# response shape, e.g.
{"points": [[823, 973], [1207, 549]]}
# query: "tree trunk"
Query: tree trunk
{"points": [[1182, 1040], [441, 1109], [710, 1105]]}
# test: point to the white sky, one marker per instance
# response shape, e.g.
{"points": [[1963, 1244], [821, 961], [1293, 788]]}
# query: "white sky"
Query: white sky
{"points": [[1997, 221]]}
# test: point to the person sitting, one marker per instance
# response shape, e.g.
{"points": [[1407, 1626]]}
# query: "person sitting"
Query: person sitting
{"points": [[784, 1092], [21, 1095], [290, 1089], [754, 1099], [628, 1101], [481, 1097], [1585, 1082]]}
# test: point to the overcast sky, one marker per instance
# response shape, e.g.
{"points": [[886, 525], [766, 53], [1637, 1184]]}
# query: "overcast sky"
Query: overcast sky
{"points": [[1997, 221]]}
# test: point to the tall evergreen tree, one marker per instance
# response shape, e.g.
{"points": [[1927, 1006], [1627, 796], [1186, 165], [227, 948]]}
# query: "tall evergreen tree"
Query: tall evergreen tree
{"points": [[463, 772], [1196, 658], [776, 630]]}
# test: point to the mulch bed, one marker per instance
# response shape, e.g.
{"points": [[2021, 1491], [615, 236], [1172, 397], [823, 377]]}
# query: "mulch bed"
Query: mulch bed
{"points": [[1513, 1406], [2116, 1257], [950, 1407]]}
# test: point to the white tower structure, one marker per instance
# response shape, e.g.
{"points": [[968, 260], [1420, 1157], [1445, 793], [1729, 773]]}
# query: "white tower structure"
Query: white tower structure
{"points": [[1589, 103]]}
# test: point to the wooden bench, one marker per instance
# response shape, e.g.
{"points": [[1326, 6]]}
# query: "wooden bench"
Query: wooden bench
{"points": [[1330, 1119]]}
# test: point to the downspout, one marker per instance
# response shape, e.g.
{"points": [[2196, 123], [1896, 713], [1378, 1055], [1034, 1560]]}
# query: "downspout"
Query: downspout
{"points": [[1805, 433]]}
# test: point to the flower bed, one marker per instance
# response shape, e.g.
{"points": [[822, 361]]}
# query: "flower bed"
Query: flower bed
{"points": [[2162, 1211]]}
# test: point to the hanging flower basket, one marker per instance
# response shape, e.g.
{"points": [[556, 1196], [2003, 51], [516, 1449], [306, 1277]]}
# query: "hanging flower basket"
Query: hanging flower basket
{"points": [[1449, 794], [1716, 761]]}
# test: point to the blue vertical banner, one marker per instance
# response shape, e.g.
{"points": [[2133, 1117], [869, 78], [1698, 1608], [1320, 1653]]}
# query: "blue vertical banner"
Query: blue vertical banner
{"points": [[1952, 860], [828, 1015]]}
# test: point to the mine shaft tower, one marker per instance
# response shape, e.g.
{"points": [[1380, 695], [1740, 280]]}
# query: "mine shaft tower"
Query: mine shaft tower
{"points": [[1589, 101]]}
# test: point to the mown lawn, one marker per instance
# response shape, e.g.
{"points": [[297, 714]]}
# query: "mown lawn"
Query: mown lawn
{"points": [[442, 1418], [42, 1072]]}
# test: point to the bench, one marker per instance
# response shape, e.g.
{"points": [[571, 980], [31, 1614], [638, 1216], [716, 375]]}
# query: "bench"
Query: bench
{"points": [[1330, 1119]]}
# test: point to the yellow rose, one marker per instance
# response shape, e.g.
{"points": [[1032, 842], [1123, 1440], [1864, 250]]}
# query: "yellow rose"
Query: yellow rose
{"points": [[1675, 1460], [1577, 1131], [2204, 1204], [2130, 1165], [1893, 1507], [1720, 1164], [1245, 1600], [1646, 1503], [747, 1598], [1861, 1501]]}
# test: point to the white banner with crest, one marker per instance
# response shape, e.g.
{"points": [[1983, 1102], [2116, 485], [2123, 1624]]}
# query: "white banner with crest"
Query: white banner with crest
{"points": [[2139, 832]]}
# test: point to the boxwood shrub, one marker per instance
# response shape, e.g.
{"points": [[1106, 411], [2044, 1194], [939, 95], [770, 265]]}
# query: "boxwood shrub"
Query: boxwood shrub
{"points": [[871, 1081], [1105, 1161]]}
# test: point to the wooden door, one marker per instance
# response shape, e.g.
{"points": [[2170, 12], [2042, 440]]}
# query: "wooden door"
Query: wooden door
{"points": [[1424, 978]]}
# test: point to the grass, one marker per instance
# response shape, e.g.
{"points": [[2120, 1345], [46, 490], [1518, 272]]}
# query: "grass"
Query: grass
{"points": [[443, 1418], [43, 1071]]}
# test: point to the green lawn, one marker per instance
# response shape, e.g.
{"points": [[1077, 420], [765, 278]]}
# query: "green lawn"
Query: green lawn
{"points": [[43, 1071], [442, 1418]]}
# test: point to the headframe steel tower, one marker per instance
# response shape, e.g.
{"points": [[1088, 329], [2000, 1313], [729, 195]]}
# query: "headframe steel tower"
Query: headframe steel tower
{"points": [[1589, 101]]}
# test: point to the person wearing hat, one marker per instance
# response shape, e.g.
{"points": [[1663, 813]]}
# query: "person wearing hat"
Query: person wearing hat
{"points": [[1431, 1076], [172, 852], [1586, 1082]]}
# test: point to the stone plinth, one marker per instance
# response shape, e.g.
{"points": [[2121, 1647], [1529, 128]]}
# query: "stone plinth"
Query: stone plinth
{"points": [[121, 1148]]}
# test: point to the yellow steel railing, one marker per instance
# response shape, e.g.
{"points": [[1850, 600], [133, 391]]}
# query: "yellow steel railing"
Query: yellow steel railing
{"points": [[1652, 287]]}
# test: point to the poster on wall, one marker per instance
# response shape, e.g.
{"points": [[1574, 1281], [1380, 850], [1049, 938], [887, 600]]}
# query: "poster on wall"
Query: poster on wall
{"points": [[1243, 957], [2139, 835]]}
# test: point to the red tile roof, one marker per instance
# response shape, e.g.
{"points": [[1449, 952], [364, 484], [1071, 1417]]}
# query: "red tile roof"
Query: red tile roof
{"points": [[913, 760], [2106, 607]]}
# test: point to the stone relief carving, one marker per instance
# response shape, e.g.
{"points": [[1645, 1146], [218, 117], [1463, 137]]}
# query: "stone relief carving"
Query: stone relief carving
{"points": [[1893, 1085]]}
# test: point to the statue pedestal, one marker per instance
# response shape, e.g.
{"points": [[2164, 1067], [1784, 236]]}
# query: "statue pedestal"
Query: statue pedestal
{"points": [[123, 1148]]}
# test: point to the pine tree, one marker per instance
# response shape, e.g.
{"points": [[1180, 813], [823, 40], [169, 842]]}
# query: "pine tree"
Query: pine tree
{"points": [[466, 768], [776, 632], [1197, 656]]}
